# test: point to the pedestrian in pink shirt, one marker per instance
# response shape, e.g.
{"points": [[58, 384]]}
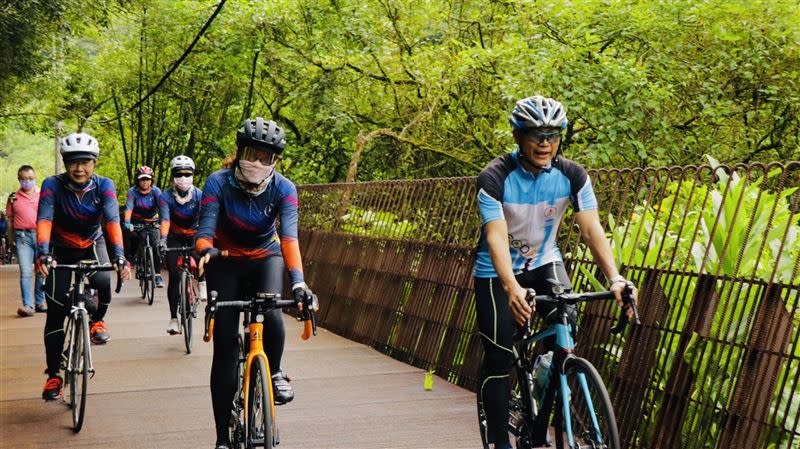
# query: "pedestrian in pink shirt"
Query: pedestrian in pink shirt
{"points": [[21, 211]]}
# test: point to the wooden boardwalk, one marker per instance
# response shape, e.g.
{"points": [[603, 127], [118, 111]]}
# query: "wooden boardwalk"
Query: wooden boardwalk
{"points": [[148, 393]]}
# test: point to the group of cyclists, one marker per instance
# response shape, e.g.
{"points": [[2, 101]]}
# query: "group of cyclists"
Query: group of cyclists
{"points": [[234, 217], [522, 198]]}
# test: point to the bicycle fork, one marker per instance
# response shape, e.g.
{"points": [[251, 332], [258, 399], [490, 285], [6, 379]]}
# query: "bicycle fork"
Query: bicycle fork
{"points": [[256, 331], [78, 314]]}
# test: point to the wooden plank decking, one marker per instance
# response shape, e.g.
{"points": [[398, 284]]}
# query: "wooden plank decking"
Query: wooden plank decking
{"points": [[148, 393]]}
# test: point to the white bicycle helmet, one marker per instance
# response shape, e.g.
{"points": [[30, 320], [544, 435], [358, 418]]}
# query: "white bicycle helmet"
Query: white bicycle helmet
{"points": [[538, 112], [79, 146], [181, 163]]}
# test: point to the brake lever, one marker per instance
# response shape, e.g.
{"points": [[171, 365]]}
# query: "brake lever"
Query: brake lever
{"points": [[627, 295]]}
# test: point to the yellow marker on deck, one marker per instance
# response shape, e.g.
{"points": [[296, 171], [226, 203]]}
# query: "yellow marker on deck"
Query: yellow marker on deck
{"points": [[429, 380]]}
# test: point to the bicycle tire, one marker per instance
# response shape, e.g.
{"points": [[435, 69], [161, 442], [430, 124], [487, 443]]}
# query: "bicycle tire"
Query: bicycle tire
{"points": [[70, 372], [236, 431], [141, 272], [185, 310], [586, 391], [80, 386], [150, 275], [259, 430]]}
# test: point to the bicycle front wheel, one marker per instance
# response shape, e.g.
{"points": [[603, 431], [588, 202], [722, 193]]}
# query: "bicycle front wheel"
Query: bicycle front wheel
{"points": [[141, 274], [186, 310], [150, 275], [588, 421], [259, 406], [79, 372]]}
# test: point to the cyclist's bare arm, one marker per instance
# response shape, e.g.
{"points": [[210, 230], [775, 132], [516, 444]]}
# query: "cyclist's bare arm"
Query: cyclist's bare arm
{"points": [[497, 239], [594, 235]]}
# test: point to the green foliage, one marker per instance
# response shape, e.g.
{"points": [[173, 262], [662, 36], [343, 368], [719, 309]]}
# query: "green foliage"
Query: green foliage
{"points": [[376, 224], [19, 148], [736, 227], [426, 87]]}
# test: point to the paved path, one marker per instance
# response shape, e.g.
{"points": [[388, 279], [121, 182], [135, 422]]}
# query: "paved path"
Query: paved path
{"points": [[148, 393]]}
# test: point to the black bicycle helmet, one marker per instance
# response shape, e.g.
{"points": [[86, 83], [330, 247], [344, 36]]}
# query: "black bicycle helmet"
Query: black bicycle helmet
{"points": [[261, 133]]}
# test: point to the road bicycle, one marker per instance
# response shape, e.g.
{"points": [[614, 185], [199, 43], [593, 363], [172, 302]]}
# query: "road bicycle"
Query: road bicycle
{"points": [[252, 422], [569, 393], [145, 261], [76, 359], [187, 292]]}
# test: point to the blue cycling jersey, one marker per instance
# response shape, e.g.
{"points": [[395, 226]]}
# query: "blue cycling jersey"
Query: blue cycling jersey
{"points": [[144, 207], [532, 206], [183, 218]]}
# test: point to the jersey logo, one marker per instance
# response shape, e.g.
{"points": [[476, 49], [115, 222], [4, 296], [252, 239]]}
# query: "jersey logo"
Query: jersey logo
{"points": [[523, 246], [268, 210], [549, 212]]}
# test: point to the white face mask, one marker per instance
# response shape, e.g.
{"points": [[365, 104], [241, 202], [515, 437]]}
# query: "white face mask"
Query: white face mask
{"points": [[183, 183], [255, 172]]}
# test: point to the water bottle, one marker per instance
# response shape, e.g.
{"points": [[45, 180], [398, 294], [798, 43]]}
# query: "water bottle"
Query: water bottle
{"points": [[202, 290], [541, 370]]}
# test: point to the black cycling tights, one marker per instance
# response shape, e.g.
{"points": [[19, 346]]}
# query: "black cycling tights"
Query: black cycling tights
{"points": [[173, 293], [496, 326], [57, 287], [232, 279]]}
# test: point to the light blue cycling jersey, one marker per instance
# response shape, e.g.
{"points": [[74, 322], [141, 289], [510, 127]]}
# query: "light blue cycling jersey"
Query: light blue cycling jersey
{"points": [[532, 206]]}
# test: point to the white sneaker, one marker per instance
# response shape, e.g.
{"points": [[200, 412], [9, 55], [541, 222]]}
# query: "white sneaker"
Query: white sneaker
{"points": [[173, 327]]}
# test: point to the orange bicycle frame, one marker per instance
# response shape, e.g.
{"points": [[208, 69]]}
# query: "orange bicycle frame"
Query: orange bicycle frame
{"points": [[256, 350]]}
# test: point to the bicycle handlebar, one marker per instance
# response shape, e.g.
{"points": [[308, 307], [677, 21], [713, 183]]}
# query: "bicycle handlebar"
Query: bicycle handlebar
{"points": [[575, 298], [179, 249], [271, 301], [92, 266], [148, 225]]}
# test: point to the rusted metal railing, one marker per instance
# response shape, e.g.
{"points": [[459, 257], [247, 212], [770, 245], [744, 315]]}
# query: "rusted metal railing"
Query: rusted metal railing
{"points": [[715, 252]]}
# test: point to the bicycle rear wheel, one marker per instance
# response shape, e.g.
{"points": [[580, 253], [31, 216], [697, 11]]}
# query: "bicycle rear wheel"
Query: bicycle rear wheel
{"points": [[259, 406], [150, 275], [79, 373], [590, 415], [185, 306]]}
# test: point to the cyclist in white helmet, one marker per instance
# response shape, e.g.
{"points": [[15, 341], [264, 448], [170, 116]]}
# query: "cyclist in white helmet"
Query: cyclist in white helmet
{"points": [[182, 203], [522, 198], [73, 209]]}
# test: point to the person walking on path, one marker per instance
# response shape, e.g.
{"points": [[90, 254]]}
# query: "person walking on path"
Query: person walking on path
{"points": [[21, 211]]}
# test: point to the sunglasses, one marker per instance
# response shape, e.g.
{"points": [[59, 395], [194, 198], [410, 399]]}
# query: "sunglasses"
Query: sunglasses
{"points": [[266, 157], [182, 175], [540, 137]]}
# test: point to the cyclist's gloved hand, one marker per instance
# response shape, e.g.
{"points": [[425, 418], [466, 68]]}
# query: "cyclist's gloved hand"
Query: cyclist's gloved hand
{"points": [[128, 225], [206, 256], [122, 265], [162, 245], [304, 297], [43, 264]]}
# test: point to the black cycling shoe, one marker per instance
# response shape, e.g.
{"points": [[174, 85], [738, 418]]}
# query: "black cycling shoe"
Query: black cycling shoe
{"points": [[222, 446], [281, 390]]}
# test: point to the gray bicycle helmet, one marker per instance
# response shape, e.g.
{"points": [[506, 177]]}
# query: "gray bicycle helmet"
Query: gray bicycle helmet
{"points": [[79, 146], [261, 133], [538, 112]]}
